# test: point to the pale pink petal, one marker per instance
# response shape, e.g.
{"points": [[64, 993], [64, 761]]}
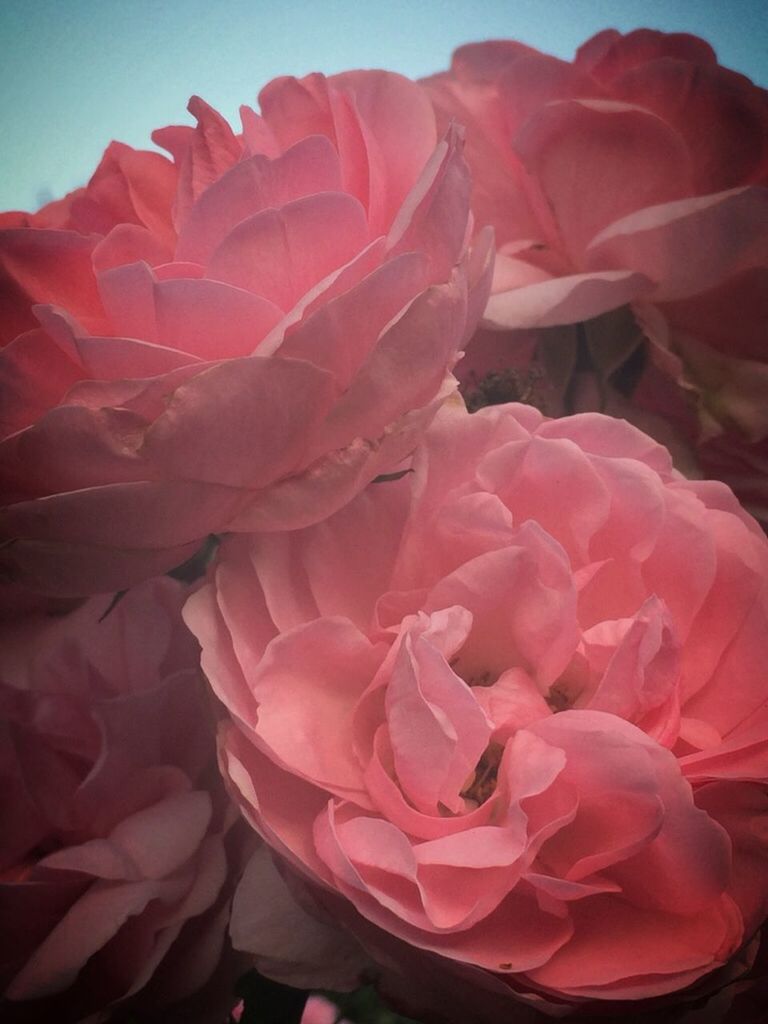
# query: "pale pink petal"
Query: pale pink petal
{"points": [[565, 300]]}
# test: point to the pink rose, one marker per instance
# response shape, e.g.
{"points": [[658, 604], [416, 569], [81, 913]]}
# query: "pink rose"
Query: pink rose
{"points": [[256, 363], [113, 867], [633, 175], [46, 257], [506, 717]]}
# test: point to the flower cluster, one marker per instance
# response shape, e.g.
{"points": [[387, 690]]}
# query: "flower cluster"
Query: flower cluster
{"points": [[634, 179], [317, 658]]}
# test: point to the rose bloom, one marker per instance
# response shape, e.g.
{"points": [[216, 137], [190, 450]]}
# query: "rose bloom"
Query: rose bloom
{"points": [[507, 717], [633, 176], [113, 866], [249, 334]]}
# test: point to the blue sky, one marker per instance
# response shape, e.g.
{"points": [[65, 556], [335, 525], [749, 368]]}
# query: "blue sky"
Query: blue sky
{"points": [[76, 73]]}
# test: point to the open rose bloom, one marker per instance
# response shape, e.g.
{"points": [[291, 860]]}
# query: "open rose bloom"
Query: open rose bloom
{"points": [[506, 717], [239, 339], [114, 874], [627, 191]]}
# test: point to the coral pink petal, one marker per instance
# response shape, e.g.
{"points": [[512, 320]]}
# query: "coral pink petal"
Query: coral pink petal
{"points": [[254, 184], [281, 254], [625, 950], [124, 515], [72, 447], [524, 477], [601, 435], [404, 370], [129, 243], [432, 218], [720, 114], [689, 245], [637, 159], [277, 801], [399, 130], [242, 423], [334, 479], [342, 332], [609, 54], [45, 266], [533, 80], [289, 944], [25, 395], [211, 320], [433, 721], [332, 662], [536, 630], [212, 150], [485, 61]]}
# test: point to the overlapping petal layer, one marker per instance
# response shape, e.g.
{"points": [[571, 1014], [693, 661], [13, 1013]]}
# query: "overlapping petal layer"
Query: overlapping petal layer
{"points": [[628, 193], [238, 338], [511, 741], [112, 852]]}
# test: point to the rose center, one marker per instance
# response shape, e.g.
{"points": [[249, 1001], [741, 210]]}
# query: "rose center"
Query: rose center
{"points": [[482, 781]]}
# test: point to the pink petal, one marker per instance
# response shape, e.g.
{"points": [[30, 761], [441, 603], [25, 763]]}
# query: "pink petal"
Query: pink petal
{"points": [[437, 729], [338, 476], [129, 243], [433, 216], [638, 953], [405, 369], [86, 928], [213, 149], [281, 254], [252, 185], [690, 245], [527, 476], [535, 629], [610, 54], [211, 320], [398, 128], [307, 686], [720, 114], [565, 300], [638, 160], [45, 266], [342, 332], [254, 416], [642, 666], [26, 394]]}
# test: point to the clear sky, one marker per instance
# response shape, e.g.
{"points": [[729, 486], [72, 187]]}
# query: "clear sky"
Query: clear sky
{"points": [[76, 73]]}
